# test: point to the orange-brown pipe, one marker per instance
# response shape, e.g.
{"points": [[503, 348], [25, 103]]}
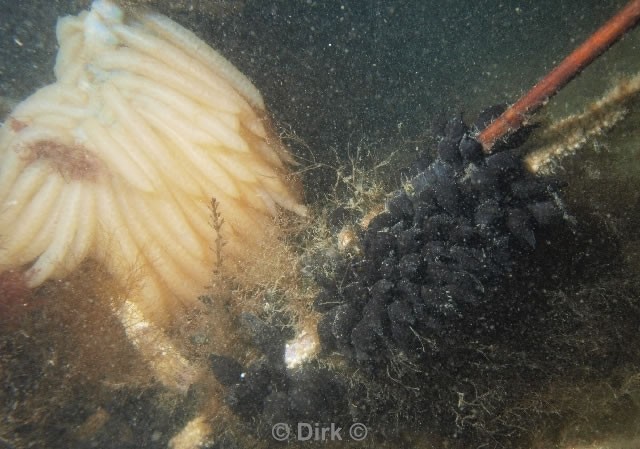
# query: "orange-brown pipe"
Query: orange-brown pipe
{"points": [[581, 57]]}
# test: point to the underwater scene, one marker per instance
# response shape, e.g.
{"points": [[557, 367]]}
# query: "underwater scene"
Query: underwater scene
{"points": [[239, 224]]}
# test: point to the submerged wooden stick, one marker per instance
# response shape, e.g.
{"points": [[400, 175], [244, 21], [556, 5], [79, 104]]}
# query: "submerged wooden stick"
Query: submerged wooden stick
{"points": [[594, 46]]}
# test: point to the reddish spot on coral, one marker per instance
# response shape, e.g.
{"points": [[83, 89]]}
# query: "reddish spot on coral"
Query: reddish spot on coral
{"points": [[17, 125], [71, 161], [15, 298]]}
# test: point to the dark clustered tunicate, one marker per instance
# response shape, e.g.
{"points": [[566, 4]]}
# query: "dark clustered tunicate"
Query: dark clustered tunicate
{"points": [[268, 390], [445, 289], [444, 243], [445, 314]]}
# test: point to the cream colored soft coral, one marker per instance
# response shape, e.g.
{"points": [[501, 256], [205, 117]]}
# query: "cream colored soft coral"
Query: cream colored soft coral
{"points": [[119, 159]]}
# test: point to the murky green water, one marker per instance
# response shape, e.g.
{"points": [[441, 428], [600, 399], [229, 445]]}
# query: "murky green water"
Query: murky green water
{"points": [[335, 74]]}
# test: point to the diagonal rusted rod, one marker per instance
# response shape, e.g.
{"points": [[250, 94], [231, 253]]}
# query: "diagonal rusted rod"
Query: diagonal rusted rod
{"points": [[564, 72]]}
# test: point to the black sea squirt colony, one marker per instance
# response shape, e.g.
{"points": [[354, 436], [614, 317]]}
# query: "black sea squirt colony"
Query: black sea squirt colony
{"points": [[439, 281]]}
